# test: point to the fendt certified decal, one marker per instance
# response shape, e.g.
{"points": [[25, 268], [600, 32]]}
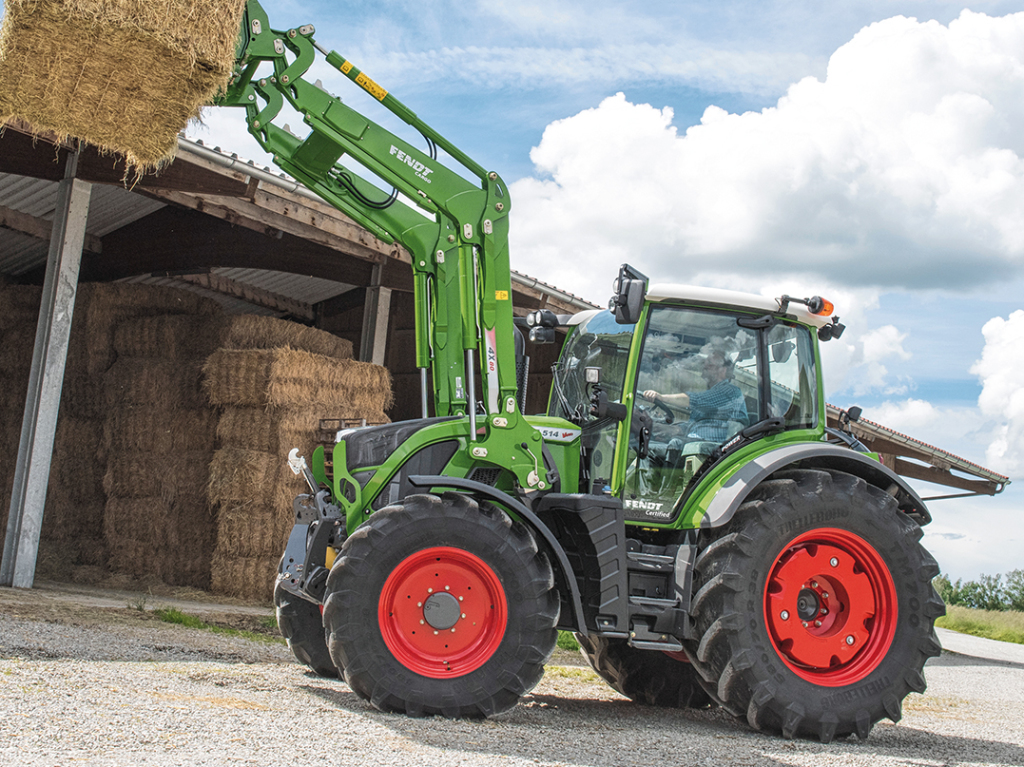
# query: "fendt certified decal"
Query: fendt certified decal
{"points": [[653, 509]]}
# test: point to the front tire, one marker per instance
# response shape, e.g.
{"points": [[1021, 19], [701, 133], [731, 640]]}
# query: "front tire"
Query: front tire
{"points": [[645, 676], [815, 610], [302, 627], [441, 606]]}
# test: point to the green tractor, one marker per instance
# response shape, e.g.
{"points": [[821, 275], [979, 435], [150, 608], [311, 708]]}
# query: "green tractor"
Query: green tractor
{"points": [[681, 506]]}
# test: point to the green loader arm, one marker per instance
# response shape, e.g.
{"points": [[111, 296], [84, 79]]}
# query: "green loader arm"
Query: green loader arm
{"points": [[456, 231]]}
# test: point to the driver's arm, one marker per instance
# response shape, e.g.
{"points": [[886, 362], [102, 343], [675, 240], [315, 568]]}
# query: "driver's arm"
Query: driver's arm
{"points": [[679, 400]]}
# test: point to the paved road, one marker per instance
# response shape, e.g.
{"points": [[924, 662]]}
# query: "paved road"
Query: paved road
{"points": [[979, 647]]}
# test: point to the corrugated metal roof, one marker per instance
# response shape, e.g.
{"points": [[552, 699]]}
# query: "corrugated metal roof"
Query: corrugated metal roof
{"points": [[310, 290], [110, 208]]}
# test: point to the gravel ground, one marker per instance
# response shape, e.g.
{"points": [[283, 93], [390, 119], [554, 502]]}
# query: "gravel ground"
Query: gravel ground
{"points": [[94, 680]]}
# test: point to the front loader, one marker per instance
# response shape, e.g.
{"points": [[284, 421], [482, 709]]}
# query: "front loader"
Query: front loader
{"points": [[680, 506]]}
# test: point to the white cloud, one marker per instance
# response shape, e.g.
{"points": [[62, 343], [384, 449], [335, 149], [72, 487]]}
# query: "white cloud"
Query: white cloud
{"points": [[903, 168], [1001, 370]]}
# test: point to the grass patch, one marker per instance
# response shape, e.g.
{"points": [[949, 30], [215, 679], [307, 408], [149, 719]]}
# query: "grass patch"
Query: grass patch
{"points": [[1005, 626], [566, 641], [174, 615], [571, 672]]}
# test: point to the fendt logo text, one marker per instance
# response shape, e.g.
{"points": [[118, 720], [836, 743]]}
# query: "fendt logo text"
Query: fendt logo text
{"points": [[422, 171]]}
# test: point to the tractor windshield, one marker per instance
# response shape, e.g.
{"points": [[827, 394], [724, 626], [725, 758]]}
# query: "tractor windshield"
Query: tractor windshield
{"points": [[597, 342], [704, 376]]}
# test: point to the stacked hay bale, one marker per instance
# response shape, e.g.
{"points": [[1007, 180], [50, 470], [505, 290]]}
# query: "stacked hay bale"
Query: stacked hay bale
{"points": [[76, 529], [160, 435], [273, 400], [18, 319], [123, 75], [72, 535]]}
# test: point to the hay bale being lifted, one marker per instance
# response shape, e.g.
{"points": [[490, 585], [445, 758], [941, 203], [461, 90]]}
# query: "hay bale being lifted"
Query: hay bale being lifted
{"points": [[124, 75]]}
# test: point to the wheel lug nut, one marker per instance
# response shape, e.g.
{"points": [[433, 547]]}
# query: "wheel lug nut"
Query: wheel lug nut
{"points": [[784, 615], [834, 562], [814, 584], [805, 624], [824, 611], [817, 623], [824, 595], [850, 640]]}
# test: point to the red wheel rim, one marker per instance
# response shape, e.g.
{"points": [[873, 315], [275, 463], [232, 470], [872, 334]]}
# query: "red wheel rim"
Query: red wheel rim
{"points": [[830, 607], [442, 612]]}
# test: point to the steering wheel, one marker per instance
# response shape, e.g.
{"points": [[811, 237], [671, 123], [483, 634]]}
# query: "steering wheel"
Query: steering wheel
{"points": [[670, 417]]}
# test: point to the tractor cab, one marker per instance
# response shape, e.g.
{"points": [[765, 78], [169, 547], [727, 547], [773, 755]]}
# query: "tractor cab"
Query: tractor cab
{"points": [[698, 375]]}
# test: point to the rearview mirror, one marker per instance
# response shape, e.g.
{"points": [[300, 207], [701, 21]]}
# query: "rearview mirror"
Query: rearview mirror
{"points": [[628, 301]]}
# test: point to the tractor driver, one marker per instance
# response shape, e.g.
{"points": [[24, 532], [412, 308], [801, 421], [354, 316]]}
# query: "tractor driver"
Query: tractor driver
{"points": [[712, 410]]}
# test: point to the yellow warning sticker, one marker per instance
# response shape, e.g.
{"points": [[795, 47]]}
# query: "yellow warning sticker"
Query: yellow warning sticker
{"points": [[371, 87], [346, 67], [501, 295]]}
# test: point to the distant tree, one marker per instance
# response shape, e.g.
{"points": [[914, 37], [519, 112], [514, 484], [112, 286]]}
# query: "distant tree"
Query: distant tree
{"points": [[1015, 590], [987, 593], [947, 592]]}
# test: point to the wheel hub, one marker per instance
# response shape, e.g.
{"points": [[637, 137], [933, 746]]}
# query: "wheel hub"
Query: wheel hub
{"points": [[830, 606], [808, 605], [441, 611]]}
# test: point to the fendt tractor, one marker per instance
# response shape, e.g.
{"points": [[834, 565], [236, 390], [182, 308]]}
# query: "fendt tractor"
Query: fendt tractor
{"points": [[681, 506]]}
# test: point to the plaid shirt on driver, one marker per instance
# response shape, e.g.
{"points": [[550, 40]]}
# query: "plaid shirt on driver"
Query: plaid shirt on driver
{"points": [[711, 411]]}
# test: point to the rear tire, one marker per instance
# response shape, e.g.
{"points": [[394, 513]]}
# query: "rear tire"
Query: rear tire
{"points": [[645, 676], [302, 627], [814, 607], [441, 606]]}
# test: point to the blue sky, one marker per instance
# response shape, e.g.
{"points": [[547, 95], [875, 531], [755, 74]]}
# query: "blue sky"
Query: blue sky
{"points": [[870, 151]]}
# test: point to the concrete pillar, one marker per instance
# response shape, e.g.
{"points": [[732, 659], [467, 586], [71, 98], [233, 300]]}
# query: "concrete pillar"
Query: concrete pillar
{"points": [[375, 320]]}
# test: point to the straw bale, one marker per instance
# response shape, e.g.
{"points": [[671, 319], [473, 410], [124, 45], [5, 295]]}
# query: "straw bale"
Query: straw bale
{"points": [[249, 578], [145, 429], [250, 331], [174, 336], [169, 385], [125, 75], [174, 477], [16, 353], [67, 518], [245, 532], [172, 541], [279, 430], [251, 478], [281, 378], [83, 395], [101, 307], [57, 560], [19, 307], [78, 465]]}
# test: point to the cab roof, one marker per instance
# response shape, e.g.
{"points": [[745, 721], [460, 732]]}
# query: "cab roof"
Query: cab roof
{"points": [[661, 292]]}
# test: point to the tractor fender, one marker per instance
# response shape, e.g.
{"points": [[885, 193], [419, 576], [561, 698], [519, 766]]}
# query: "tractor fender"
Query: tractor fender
{"points": [[734, 491]]}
